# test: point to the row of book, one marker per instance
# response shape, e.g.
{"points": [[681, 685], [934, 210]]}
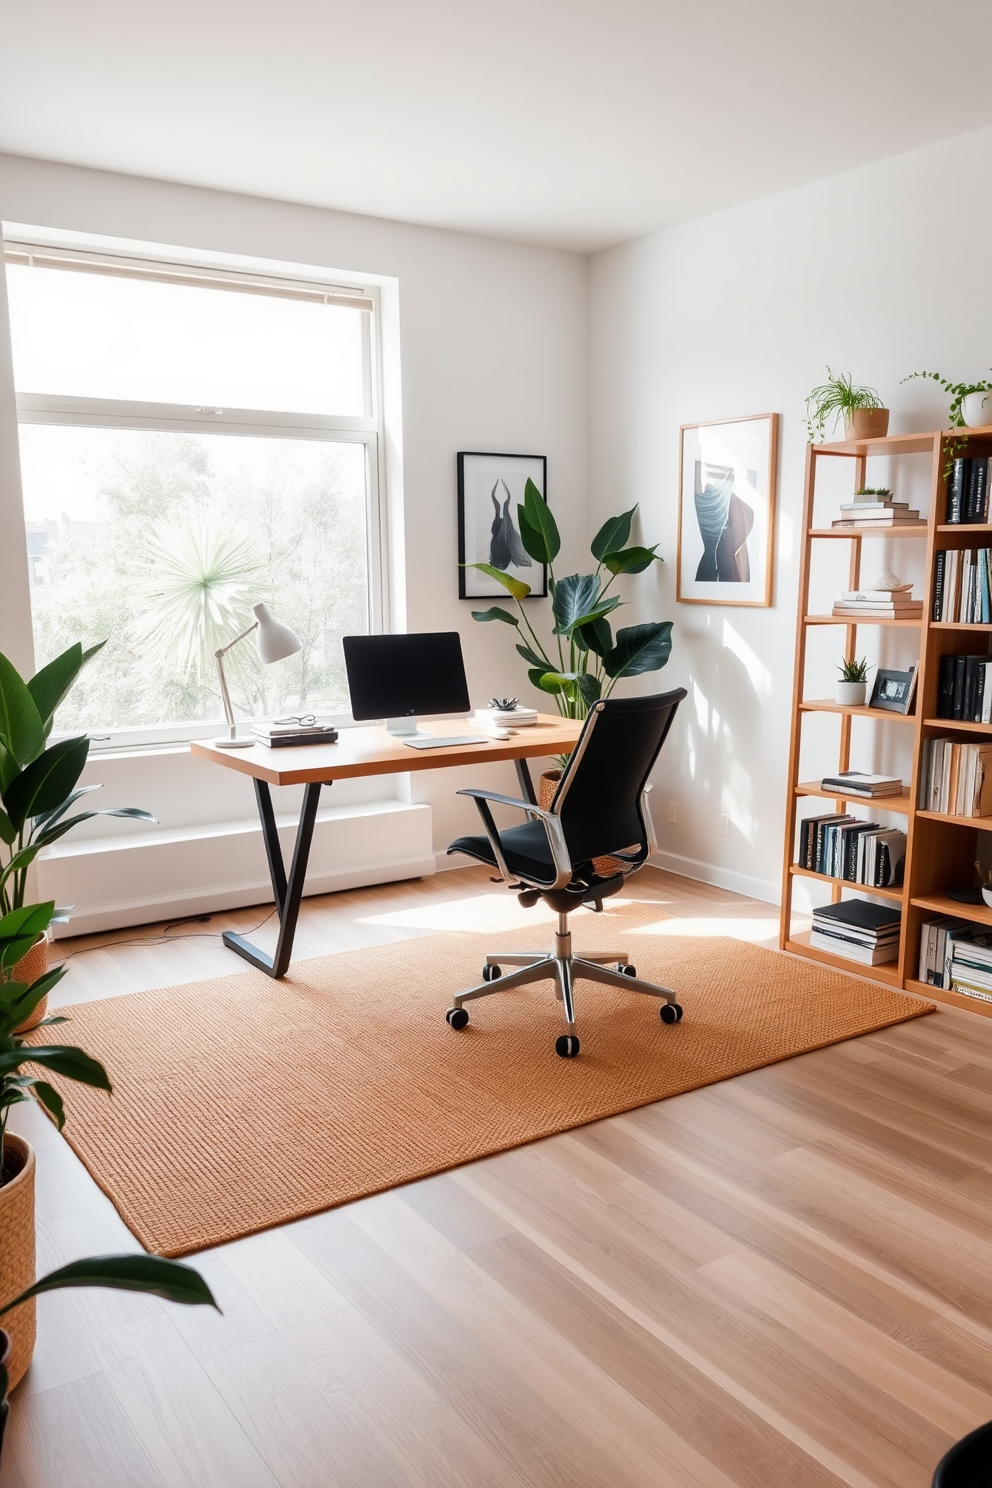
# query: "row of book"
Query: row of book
{"points": [[956, 954], [968, 491], [880, 513], [857, 931], [962, 586], [844, 846], [964, 688], [956, 779]]}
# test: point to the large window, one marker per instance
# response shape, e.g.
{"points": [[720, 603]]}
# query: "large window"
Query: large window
{"points": [[193, 442]]}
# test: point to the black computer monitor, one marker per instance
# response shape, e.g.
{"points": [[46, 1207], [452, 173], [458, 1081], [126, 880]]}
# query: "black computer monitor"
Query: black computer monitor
{"points": [[401, 677]]}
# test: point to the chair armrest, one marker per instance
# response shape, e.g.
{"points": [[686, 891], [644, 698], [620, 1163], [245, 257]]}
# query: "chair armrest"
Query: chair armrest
{"points": [[552, 827]]}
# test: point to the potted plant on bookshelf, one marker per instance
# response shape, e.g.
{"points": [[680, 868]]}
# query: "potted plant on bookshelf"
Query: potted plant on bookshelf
{"points": [[971, 402], [861, 408], [39, 784], [853, 684]]}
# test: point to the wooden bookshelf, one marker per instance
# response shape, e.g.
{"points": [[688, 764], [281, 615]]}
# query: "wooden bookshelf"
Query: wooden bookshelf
{"points": [[940, 849]]}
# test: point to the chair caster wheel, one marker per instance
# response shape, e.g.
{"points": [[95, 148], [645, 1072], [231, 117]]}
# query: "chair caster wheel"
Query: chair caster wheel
{"points": [[670, 1012], [628, 970], [567, 1046], [490, 973], [456, 1017]]}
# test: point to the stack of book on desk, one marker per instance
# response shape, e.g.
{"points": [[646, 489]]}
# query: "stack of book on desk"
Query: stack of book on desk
{"points": [[283, 735], [880, 604], [857, 783], [858, 931], [955, 778], [843, 846], [878, 513], [518, 717], [956, 954]]}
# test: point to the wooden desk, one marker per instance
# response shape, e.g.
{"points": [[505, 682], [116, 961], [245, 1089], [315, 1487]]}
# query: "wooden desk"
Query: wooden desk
{"points": [[359, 751]]}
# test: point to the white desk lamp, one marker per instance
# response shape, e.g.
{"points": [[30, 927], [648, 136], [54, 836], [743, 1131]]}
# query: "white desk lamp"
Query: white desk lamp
{"points": [[275, 641]]}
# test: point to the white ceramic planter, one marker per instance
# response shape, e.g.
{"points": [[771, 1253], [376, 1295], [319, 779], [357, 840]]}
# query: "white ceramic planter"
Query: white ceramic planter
{"points": [[987, 896], [976, 410], [851, 694]]}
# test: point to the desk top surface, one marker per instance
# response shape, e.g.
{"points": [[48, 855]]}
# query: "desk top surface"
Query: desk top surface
{"points": [[371, 751]]}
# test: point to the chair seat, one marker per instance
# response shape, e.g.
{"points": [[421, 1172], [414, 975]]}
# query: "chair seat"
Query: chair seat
{"points": [[525, 848]]}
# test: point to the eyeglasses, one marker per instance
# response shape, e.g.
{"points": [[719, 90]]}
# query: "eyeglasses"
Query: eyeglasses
{"points": [[305, 718]]}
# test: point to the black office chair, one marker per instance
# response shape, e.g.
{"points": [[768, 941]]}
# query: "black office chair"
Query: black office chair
{"points": [[599, 810], [968, 1464]]}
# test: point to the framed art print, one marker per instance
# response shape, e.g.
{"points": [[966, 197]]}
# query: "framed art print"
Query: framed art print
{"points": [[490, 488], [727, 477]]}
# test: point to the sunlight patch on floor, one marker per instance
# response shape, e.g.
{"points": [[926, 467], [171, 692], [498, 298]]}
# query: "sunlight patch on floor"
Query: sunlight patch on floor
{"points": [[756, 931], [481, 912]]}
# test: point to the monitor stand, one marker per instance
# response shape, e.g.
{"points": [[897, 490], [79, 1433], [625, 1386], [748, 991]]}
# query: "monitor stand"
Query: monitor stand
{"points": [[404, 728]]}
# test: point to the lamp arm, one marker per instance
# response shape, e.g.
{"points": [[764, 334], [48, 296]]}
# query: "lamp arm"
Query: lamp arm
{"points": [[225, 695]]}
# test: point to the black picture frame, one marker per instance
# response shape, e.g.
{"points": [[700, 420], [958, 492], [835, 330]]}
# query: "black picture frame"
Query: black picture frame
{"points": [[894, 692], [483, 512]]}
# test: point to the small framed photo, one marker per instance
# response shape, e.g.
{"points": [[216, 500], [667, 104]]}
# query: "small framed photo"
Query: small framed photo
{"points": [[893, 691], [727, 476], [490, 488]]}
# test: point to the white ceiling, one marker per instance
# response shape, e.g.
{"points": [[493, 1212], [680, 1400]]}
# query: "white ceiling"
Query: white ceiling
{"points": [[571, 122]]}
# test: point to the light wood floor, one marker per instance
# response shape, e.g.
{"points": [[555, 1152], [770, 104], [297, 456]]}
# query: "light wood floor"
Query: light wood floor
{"points": [[782, 1281]]}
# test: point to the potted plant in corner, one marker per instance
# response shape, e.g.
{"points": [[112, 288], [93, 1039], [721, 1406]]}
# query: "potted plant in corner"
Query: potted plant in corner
{"points": [[39, 782], [853, 684], [583, 660], [971, 402], [861, 408]]}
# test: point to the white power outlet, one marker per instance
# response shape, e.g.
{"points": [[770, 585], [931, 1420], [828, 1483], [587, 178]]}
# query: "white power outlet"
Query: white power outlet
{"points": [[724, 824], [673, 812]]}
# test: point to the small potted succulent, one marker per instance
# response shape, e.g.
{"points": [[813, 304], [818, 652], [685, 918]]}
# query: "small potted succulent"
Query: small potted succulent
{"points": [[986, 879], [861, 408], [971, 402], [853, 684], [873, 493]]}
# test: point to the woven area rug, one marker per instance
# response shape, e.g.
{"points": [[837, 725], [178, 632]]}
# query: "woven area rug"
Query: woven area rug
{"points": [[241, 1103]]}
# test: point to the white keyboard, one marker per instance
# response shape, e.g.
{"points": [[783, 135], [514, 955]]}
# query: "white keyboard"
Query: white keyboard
{"points": [[444, 742]]}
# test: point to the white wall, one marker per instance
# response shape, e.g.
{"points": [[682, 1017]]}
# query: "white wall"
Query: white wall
{"points": [[492, 339], [879, 272]]}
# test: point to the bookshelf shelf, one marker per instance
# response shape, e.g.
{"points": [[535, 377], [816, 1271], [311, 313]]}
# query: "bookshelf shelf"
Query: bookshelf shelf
{"points": [[936, 855], [898, 802]]}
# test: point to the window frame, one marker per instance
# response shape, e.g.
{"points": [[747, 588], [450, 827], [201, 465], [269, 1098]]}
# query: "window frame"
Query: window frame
{"points": [[108, 413]]}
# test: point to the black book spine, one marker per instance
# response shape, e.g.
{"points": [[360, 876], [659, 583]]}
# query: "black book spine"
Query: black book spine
{"points": [[956, 490], [957, 706], [968, 696], [945, 696], [976, 710], [938, 584], [979, 473], [803, 842]]}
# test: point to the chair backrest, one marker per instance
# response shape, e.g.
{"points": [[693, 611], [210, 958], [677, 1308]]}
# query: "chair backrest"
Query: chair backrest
{"points": [[599, 795]]}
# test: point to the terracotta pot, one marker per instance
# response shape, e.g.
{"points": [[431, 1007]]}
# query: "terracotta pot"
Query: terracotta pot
{"points": [[546, 787], [17, 1258], [5, 1347], [867, 423], [29, 969]]}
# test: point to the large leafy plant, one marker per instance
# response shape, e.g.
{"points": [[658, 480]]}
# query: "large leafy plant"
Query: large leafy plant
{"points": [[584, 660], [38, 781], [837, 397]]}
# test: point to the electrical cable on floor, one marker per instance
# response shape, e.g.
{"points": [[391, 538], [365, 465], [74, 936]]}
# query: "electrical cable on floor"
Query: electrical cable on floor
{"points": [[165, 937]]}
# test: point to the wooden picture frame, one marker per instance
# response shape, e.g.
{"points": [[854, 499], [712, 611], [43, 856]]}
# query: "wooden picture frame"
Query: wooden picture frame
{"points": [[728, 479], [490, 487]]}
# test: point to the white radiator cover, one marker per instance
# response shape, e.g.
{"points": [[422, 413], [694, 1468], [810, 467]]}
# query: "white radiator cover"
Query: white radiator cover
{"points": [[117, 881]]}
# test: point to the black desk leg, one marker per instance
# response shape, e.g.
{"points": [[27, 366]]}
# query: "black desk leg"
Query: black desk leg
{"points": [[525, 782], [287, 893]]}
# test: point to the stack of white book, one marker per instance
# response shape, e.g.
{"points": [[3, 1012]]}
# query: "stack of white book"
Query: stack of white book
{"points": [[518, 717], [880, 604], [859, 783], [879, 513]]}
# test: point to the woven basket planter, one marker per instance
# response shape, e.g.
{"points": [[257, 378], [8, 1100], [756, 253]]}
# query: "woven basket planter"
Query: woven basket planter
{"points": [[29, 969], [546, 787], [17, 1254]]}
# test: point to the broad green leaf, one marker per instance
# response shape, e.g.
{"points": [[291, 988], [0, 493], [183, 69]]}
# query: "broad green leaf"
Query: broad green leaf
{"points": [[7, 829], [18, 1000], [44, 784], [640, 648], [596, 637], [9, 768], [495, 613], [517, 587], [59, 829], [46, 818], [49, 1097], [565, 682], [21, 730], [126, 1273], [538, 528], [49, 686], [537, 676], [590, 688], [631, 560], [533, 658], [20, 860], [20, 929], [612, 535], [61, 1059], [575, 595]]}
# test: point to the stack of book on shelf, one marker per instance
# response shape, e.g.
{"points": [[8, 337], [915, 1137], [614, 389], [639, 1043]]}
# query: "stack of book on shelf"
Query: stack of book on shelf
{"points": [[880, 604], [956, 954], [964, 688], [843, 846], [961, 586], [878, 512], [968, 492], [955, 778], [857, 931], [857, 783]]}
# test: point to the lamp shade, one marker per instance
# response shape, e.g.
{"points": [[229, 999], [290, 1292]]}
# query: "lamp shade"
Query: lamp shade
{"points": [[274, 640]]}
